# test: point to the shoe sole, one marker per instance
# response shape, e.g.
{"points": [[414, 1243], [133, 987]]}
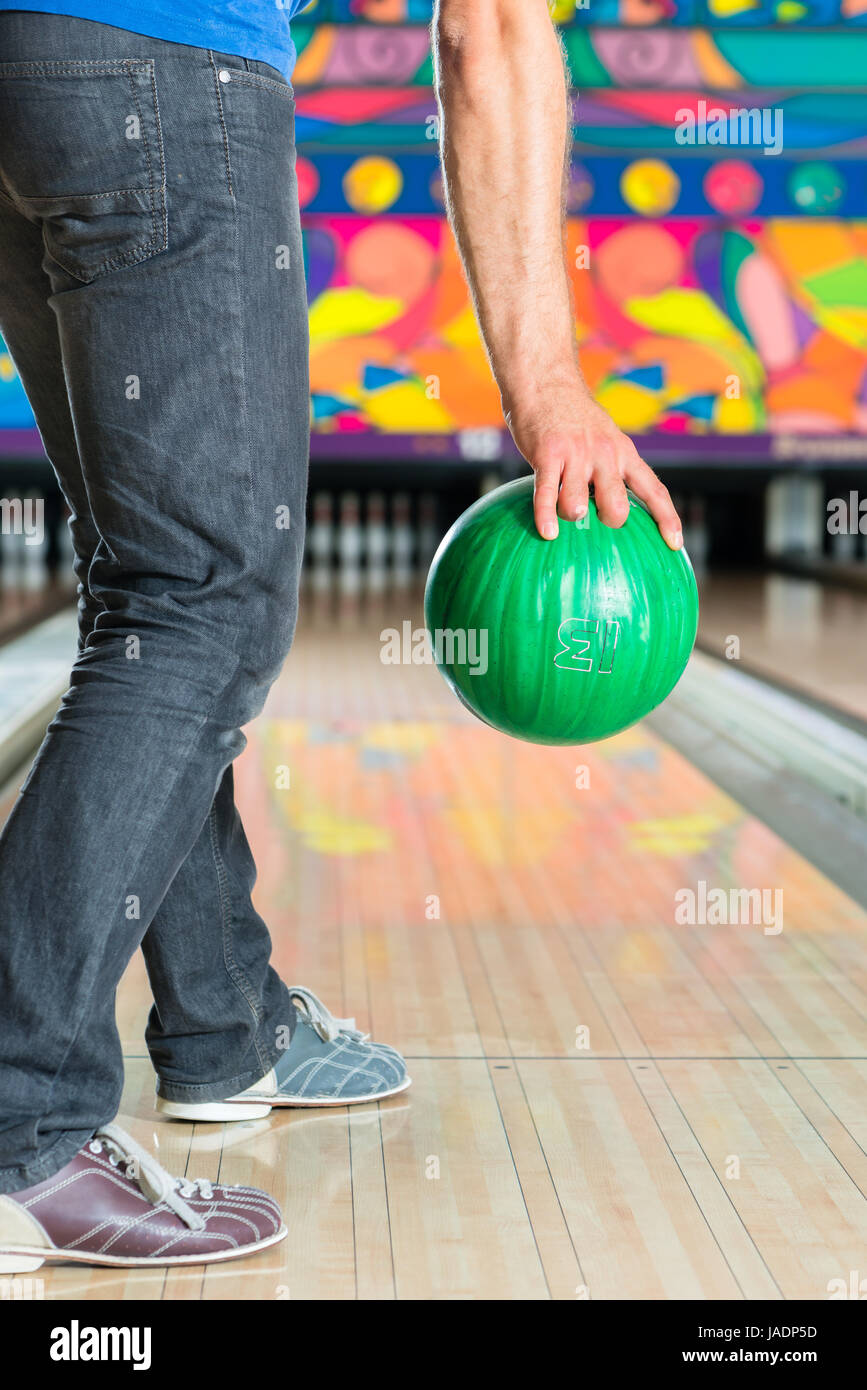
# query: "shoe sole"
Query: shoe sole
{"points": [[211, 1111], [252, 1109], [25, 1258]]}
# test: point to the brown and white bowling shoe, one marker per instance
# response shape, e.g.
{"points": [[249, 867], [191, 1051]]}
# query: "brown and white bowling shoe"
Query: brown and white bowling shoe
{"points": [[113, 1204]]}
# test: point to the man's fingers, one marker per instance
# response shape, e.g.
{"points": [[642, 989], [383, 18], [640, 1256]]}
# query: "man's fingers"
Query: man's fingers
{"points": [[612, 504], [562, 487], [545, 492], [645, 484], [574, 499]]}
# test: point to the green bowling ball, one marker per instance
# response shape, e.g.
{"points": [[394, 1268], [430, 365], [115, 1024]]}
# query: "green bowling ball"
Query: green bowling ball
{"points": [[565, 641]]}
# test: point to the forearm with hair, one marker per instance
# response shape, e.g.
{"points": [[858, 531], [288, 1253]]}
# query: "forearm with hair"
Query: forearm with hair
{"points": [[505, 125]]}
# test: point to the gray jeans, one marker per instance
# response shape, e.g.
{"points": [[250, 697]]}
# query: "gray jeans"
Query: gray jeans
{"points": [[152, 297]]}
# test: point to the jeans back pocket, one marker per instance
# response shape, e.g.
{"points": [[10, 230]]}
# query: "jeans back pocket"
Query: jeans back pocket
{"points": [[81, 152]]}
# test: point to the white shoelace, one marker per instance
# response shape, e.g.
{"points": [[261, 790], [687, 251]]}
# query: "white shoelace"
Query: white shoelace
{"points": [[153, 1180], [326, 1024]]}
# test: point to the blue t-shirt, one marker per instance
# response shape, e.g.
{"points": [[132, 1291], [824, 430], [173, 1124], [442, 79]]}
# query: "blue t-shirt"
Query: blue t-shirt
{"points": [[249, 28]]}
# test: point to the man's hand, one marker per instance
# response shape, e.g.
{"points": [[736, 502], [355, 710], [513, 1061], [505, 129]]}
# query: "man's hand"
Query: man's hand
{"points": [[506, 127], [570, 442]]}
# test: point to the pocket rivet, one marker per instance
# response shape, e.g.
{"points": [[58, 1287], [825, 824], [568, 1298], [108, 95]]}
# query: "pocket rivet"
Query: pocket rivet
{"points": [[224, 75]]}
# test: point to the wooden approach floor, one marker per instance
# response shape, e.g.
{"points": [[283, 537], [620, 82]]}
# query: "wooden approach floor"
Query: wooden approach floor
{"points": [[606, 1104]]}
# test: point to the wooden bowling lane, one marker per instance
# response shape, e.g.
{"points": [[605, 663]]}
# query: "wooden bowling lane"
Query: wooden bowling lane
{"points": [[606, 1104], [806, 634]]}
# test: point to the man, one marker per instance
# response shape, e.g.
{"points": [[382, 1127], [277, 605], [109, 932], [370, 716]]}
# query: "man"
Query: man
{"points": [[152, 297]]}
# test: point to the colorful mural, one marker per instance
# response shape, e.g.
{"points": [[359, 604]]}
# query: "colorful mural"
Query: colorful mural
{"points": [[697, 59], [625, 13], [720, 277], [685, 326], [410, 185], [405, 118]]}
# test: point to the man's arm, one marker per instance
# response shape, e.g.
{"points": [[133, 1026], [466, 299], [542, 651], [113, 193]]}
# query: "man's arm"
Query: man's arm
{"points": [[505, 125]]}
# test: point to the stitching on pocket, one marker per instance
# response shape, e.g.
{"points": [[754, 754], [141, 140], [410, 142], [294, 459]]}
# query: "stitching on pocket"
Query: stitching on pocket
{"points": [[133, 256], [154, 193], [256, 79], [72, 67], [162, 158], [147, 151], [89, 197]]}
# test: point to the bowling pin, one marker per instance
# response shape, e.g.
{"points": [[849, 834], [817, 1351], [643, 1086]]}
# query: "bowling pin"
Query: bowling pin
{"points": [[428, 531], [375, 544], [320, 544], [794, 516], [349, 544], [402, 541], [807, 514], [844, 545]]}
